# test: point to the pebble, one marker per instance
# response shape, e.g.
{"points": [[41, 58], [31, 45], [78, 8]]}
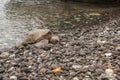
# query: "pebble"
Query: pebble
{"points": [[108, 54], [12, 56], [13, 78], [118, 32], [76, 67], [118, 48], [62, 78], [87, 78], [4, 55], [11, 69], [26, 70], [1, 77], [82, 52], [75, 78], [2, 70], [104, 78], [109, 72], [100, 42]]}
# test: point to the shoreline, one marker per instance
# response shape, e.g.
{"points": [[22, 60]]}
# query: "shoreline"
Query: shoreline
{"points": [[84, 54]]}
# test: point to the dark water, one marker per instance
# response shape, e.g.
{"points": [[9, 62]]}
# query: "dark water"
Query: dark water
{"points": [[17, 17]]}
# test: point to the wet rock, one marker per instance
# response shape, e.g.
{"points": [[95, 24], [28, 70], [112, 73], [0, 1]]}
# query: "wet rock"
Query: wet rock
{"points": [[38, 35], [26, 70], [2, 70], [4, 55], [13, 78], [104, 78], [1, 77]]}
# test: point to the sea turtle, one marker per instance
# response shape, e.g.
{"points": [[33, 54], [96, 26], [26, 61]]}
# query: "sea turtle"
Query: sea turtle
{"points": [[40, 34]]}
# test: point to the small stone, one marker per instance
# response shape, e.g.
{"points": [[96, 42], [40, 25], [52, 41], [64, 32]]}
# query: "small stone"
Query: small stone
{"points": [[42, 70], [12, 56], [11, 69], [100, 42], [87, 78], [26, 70], [4, 55], [2, 70], [19, 76], [108, 54], [75, 78], [62, 78], [1, 77], [109, 72], [118, 48], [118, 32], [104, 78], [13, 78], [76, 67], [82, 52]]}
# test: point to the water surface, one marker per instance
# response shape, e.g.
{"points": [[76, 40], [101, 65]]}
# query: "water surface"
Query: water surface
{"points": [[18, 17]]}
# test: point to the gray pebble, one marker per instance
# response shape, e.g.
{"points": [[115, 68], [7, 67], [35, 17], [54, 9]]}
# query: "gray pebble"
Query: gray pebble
{"points": [[4, 55]]}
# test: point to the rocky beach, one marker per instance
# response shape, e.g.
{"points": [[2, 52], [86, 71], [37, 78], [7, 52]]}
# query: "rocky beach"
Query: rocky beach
{"points": [[84, 54], [84, 45]]}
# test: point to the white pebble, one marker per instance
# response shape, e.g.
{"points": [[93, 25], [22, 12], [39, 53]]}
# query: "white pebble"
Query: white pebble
{"points": [[100, 42], [12, 56], [118, 32], [118, 48], [11, 69], [108, 54], [13, 78], [75, 78], [76, 67], [109, 72]]}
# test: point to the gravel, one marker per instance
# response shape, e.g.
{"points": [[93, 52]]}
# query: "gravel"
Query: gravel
{"points": [[84, 54]]}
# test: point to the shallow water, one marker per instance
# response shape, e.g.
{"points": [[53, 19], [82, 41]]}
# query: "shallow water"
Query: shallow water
{"points": [[18, 17]]}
